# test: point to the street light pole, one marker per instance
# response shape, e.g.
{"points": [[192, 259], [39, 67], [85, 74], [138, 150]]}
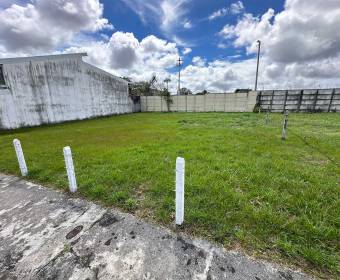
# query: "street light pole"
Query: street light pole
{"points": [[179, 75], [258, 62]]}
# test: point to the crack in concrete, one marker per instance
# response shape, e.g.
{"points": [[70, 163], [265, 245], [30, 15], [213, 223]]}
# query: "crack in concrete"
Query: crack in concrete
{"points": [[63, 252], [82, 214], [97, 221], [208, 263], [105, 220], [9, 184], [39, 269]]}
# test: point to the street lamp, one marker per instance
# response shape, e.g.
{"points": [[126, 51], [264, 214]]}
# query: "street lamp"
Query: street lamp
{"points": [[179, 63], [258, 62]]}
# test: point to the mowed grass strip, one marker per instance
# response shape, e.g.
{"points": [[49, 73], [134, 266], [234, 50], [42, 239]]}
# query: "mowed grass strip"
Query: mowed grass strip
{"points": [[244, 185]]}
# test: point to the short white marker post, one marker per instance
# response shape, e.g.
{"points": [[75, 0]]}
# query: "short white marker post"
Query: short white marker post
{"points": [[70, 169], [267, 116], [285, 124], [20, 156], [180, 171]]}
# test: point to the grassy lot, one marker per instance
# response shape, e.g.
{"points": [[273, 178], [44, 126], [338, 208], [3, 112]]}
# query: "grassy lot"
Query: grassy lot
{"points": [[244, 186]]}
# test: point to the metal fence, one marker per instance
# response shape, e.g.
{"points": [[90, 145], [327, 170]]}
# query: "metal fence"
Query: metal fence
{"points": [[305, 100]]}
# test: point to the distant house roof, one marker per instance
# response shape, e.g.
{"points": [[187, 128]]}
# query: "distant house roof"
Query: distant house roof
{"points": [[39, 58]]}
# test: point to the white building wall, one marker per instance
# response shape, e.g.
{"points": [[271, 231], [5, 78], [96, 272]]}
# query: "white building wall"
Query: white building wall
{"points": [[57, 90]]}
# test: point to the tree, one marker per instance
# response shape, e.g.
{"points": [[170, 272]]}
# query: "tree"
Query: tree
{"points": [[153, 80], [167, 97], [144, 88], [204, 92], [151, 88], [185, 91], [127, 79], [167, 81]]}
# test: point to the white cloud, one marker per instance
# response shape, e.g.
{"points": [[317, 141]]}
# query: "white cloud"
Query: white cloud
{"points": [[186, 51], [216, 76], [248, 30], [153, 44], [47, 24], [219, 13], [234, 9], [228, 31], [123, 50], [303, 31], [168, 15], [7, 3], [198, 61], [222, 45], [172, 12], [124, 55], [152, 55], [226, 76], [187, 24], [300, 45]]}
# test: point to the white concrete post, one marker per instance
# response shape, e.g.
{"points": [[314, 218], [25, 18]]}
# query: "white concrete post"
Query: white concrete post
{"points": [[284, 128], [70, 169], [20, 156], [180, 171]]}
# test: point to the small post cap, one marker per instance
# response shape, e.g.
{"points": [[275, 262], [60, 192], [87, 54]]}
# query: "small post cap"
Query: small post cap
{"points": [[180, 160]]}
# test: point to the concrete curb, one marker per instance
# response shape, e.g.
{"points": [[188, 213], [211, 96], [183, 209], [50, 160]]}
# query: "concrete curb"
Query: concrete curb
{"points": [[46, 234]]}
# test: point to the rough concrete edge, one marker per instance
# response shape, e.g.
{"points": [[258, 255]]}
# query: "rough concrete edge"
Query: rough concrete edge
{"points": [[197, 241]]}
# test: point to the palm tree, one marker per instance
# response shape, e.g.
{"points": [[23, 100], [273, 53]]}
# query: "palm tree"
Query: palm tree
{"points": [[167, 80]]}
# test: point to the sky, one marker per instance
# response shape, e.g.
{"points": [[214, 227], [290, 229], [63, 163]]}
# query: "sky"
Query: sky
{"points": [[216, 39]]}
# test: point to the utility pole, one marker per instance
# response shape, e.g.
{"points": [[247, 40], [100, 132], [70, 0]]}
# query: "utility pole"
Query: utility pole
{"points": [[258, 62], [179, 63]]}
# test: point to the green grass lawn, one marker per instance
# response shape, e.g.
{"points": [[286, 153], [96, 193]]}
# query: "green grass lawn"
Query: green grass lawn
{"points": [[244, 186]]}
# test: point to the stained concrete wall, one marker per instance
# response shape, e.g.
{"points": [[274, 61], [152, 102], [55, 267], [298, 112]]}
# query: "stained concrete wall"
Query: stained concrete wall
{"points": [[305, 100], [226, 102], [56, 89]]}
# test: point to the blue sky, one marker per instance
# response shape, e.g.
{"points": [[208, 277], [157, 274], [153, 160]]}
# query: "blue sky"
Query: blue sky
{"points": [[202, 36], [215, 38]]}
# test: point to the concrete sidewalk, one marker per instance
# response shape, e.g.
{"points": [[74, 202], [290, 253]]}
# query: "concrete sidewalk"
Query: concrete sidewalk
{"points": [[45, 234]]}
